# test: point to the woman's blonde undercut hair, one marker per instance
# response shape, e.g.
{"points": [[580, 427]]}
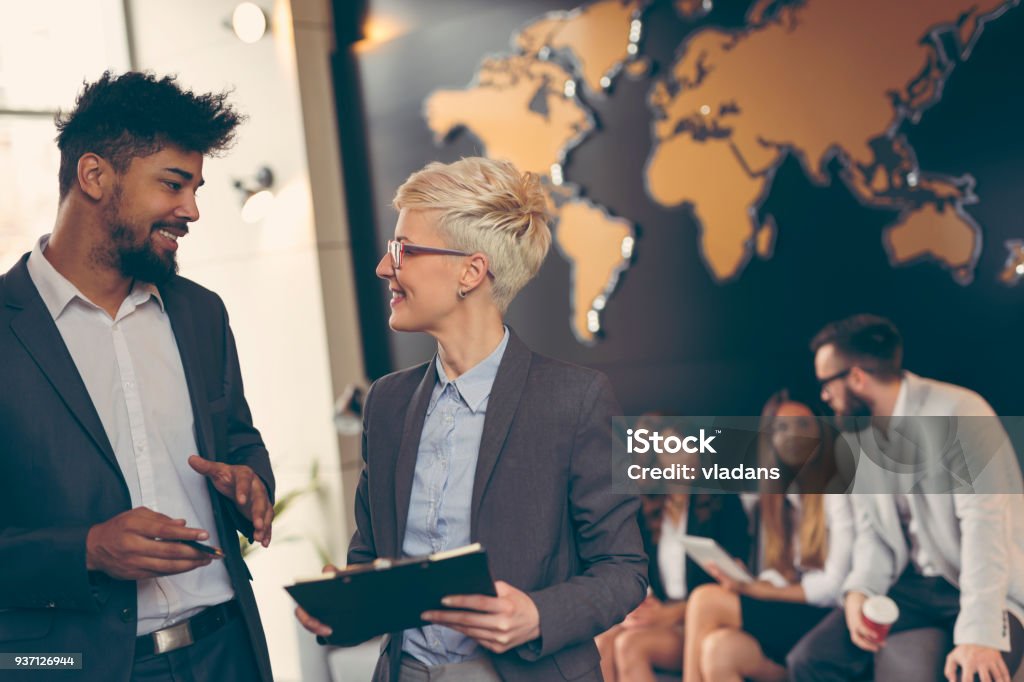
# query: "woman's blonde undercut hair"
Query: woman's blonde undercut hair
{"points": [[489, 207]]}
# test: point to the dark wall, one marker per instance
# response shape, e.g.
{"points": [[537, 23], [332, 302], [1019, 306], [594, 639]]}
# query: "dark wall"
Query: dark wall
{"points": [[673, 338]]}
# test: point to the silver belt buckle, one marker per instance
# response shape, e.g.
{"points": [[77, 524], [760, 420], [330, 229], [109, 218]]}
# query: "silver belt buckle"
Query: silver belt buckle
{"points": [[174, 637]]}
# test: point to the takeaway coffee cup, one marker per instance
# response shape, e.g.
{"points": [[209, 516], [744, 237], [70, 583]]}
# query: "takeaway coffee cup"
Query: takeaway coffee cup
{"points": [[878, 614]]}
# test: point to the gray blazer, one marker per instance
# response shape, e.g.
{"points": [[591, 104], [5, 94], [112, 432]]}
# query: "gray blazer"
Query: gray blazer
{"points": [[975, 539], [542, 504]]}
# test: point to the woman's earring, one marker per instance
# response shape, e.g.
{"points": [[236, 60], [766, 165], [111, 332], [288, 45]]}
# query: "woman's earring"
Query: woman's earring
{"points": [[462, 293]]}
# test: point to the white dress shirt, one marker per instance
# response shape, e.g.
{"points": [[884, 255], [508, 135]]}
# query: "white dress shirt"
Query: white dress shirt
{"points": [[131, 368], [672, 556]]}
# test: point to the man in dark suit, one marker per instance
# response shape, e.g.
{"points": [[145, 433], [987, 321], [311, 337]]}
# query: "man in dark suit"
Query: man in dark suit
{"points": [[123, 425]]}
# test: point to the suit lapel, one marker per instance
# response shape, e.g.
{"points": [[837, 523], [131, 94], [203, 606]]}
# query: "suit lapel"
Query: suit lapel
{"points": [[501, 408], [405, 466], [180, 314], [38, 333], [917, 395], [892, 528]]}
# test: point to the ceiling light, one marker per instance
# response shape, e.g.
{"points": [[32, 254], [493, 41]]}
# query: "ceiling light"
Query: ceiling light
{"points": [[249, 22]]}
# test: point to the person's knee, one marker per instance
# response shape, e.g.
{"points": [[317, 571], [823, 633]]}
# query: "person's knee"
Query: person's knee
{"points": [[827, 640], [705, 600], [800, 658], [718, 654], [631, 649]]}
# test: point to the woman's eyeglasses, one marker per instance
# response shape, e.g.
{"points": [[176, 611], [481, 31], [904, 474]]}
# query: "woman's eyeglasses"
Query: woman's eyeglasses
{"points": [[397, 250]]}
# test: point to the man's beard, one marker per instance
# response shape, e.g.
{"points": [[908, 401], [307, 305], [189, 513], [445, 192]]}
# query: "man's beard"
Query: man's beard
{"points": [[141, 261], [138, 261], [856, 416]]}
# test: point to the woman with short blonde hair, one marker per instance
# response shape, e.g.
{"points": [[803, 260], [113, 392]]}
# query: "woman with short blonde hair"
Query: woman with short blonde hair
{"points": [[488, 207], [491, 443]]}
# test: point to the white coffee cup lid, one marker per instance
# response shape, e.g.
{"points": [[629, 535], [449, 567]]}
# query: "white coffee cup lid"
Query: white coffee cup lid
{"points": [[881, 610]]}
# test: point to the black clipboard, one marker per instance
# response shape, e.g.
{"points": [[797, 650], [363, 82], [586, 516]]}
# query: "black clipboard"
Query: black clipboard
{"points": [[388, 595]]}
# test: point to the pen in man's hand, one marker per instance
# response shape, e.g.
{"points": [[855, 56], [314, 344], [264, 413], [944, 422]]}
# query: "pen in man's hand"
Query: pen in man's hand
{"points": [[215, 551]]}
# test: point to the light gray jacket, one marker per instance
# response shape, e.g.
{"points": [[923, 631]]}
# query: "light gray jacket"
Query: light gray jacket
{"points": [[975, 539]]}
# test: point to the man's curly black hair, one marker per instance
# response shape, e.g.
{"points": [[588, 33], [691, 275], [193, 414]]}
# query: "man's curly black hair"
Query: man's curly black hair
{"points": [[137, 114]]}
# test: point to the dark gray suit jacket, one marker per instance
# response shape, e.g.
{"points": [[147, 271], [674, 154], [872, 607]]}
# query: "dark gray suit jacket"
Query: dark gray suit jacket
{"points": [[59, 476], [542, 504]]}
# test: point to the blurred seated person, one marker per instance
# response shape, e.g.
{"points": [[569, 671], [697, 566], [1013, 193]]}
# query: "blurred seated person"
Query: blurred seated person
{"points": [[737, 631], [651, 637], [953, 562]]}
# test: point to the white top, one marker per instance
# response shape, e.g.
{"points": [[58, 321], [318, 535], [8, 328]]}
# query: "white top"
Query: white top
{"points": [[131, 368], [822, 586], [672, 556]]}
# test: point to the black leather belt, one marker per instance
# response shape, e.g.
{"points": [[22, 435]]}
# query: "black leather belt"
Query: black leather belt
{"points": [[188, 632]]}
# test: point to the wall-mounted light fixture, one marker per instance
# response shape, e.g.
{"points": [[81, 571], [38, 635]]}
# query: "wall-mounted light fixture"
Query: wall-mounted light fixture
{"points": [[379, 28], [249, 22], [1013, 268], [348, 411], [257, 197]]}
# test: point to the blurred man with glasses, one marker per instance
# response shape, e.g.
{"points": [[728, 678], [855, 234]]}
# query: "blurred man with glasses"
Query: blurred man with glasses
{"points": [[943, 540]]}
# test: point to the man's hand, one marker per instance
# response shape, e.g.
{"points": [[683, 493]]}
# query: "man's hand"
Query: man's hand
{"points": [[974, 659], [498, 623], [860, 634], [240, 484], [308, 621], [125, 547]]}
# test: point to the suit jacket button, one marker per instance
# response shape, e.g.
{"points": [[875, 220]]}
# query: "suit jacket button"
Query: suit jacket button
{"points": [[126, 615], [51, 604]]}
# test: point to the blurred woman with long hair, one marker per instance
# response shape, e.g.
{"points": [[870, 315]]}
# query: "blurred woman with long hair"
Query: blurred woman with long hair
{"points": [[737, 631]]}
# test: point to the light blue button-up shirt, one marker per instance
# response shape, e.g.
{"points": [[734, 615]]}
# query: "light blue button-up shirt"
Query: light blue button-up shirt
{"points": [[442, 489]]}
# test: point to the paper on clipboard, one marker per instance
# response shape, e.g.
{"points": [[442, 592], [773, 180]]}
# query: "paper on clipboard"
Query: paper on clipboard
{"points": [[388, 595]]}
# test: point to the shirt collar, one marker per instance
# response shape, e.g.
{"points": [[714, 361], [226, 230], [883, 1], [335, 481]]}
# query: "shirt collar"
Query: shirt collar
{"points": [[475, 385], [144, 290], [57, 291], [900, 408]]}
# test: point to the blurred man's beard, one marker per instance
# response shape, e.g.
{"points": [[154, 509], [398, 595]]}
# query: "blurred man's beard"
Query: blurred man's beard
{"points": [[856, 416]]}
